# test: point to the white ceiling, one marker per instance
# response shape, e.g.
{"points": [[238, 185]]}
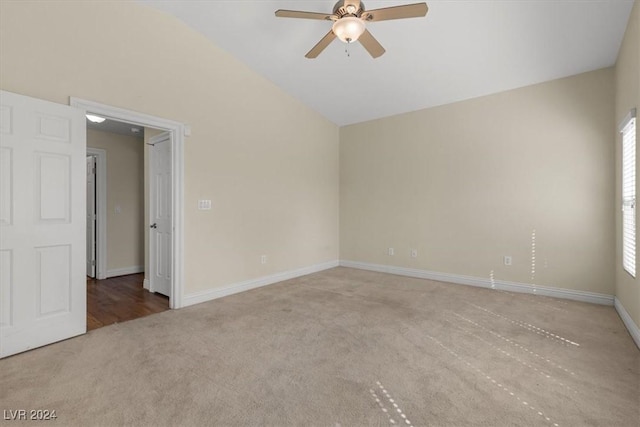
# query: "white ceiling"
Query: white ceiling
{"points": [[121, 128], [460, 50]]}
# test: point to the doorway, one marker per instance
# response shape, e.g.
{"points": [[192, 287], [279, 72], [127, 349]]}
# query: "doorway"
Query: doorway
{"points": [[174, 132], [119, 294], [56, 247]]}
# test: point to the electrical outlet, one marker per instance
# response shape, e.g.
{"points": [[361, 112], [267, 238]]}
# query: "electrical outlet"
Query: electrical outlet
{"points": [[507, 260], [414, 253], [263, 259], [391, 252]]}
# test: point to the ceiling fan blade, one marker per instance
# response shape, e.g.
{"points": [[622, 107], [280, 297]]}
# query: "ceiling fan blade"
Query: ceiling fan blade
{"points": [[321, 45], [397, 12], [372, 45], [281, 13]]}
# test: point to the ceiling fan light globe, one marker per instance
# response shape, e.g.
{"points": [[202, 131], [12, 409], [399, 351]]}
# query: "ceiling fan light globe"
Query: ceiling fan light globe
{"points": [[349, 28]]}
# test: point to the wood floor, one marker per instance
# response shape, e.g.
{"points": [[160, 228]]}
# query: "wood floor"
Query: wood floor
{"points": [[119, 299]]}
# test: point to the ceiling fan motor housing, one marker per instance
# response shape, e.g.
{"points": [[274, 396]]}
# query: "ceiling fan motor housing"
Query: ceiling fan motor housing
{"points": [[341, 10]]}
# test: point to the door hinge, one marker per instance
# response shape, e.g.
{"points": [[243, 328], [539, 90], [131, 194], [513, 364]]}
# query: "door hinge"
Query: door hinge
{"points": [[93, 262]]}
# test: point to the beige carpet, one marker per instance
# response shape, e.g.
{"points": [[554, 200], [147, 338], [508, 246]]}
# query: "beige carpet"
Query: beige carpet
{"points": [[343, 347]]}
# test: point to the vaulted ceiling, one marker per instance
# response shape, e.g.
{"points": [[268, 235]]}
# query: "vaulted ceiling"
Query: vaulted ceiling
{"points": [[460, 50]]}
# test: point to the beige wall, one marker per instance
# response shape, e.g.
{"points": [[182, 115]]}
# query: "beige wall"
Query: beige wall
{"points": [[125, 231], [268, 163], [464, 183], [467, 183], [627, 78]]}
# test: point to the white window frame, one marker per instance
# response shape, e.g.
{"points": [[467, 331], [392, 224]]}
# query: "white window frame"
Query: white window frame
{"points": [[628, 130]]}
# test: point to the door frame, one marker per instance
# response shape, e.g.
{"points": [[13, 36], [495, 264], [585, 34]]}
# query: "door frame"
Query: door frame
{"points": [[101, 211], [177, 132]]}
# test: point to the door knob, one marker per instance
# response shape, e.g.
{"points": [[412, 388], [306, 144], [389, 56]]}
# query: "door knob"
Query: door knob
{"points": [[154, 225]]}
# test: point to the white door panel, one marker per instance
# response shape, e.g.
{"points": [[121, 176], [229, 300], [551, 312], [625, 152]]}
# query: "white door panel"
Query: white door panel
{"points": [[160, 214], [6, 196], [6, 285], [42, 220], [53, 187]]}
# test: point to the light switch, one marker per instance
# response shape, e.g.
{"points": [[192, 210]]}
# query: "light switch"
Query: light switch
{"points": [[204, 205]]}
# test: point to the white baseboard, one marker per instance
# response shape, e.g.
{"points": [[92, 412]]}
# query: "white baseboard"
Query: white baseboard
{"points": [[146, 284], [628, 322], [502, 285], [126, 270], [235, 288]]}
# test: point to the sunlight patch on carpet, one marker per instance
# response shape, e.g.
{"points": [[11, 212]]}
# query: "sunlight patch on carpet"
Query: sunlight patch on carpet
{"points": [[493, 381], [393, 409], [529, 327], [525, 363], [515, 344]]}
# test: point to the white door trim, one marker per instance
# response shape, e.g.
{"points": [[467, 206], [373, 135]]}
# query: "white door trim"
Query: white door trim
{"points": [[101, 211], [177, 131]]}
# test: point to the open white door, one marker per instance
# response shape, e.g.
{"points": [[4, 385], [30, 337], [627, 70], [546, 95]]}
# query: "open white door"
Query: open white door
{"points": [[42, 220], [160, 208], [91, 216]]}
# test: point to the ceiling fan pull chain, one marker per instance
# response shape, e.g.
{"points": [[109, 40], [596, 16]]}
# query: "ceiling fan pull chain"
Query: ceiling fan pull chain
{"points": [[346, 50]]}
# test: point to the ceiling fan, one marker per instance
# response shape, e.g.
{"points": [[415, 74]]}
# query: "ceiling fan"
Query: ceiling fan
{"points": [[349, 23]]}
